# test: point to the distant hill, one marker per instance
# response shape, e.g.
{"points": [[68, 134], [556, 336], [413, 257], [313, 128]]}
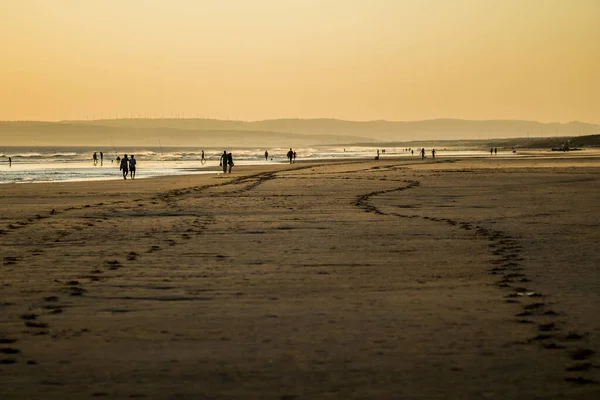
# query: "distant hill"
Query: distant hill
{"points": [[378, 130], [121, 133], [276, 132]]}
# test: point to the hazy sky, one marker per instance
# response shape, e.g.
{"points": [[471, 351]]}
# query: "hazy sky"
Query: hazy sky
{"points": [[258, 59]]}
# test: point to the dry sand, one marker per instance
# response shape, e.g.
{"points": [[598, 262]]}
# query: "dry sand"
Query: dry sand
{"points": [[397, 279]]}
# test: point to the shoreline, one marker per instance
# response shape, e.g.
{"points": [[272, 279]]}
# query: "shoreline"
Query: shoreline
{"points": [[193, 169], [49, 165]]}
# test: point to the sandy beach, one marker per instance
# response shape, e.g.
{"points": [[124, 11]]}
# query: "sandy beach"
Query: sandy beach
{"points": [[393, 279]]}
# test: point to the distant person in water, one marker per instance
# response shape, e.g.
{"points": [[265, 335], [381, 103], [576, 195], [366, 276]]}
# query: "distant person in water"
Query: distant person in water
{"points": [[118, 159], [294, 157], [290, 155], [230, 161], [95, 158], [432, 153], [495, 151], [223, 161], [266, 155], [491, 151], [9, 161], [422, 153], [124, 167], [101, 158], [132, 163], [412, 152], [202, 159]]}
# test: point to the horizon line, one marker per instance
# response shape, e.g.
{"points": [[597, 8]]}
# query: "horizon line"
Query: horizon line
{"points": [[296, 119]]}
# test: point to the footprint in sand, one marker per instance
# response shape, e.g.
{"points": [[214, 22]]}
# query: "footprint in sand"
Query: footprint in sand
{"points": [[113, 265], [581, 367], [9, 350], [40, 325], [10, 260], [54, 309], [581, 381], [76, 291], [547, 327], [582, 354]]}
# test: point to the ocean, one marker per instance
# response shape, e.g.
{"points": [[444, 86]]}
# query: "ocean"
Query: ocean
{"points": [[64, 164]]}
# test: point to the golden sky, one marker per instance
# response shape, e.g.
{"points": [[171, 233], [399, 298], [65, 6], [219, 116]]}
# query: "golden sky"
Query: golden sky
{"points": [[259, 59]]}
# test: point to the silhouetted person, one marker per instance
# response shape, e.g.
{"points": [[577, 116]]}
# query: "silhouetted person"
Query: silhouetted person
{"points": [[101, 158], [432, 153], [422, 153], [95, 158], [377, 156], [495, 151], [118, 159], [124, 167], [223, 161], [290, 155], [294, 157], [412, 152], [202, 159], [230, 161], [266, 155], [491, 151], [132, 163], [9, 161]]}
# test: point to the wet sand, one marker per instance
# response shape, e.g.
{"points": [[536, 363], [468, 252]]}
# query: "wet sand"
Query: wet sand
{"points": [[390, 279]]}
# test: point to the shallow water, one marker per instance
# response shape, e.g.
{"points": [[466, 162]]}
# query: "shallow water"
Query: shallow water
{"points": [[45, 164]]}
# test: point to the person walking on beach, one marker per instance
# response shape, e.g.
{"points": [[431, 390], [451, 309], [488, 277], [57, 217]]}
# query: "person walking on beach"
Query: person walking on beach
{"points": [[223, 161], [132, 163], [9, 161], [124, 167], [294, 157], [432, 153], [290, 155], [423, 153], [266, 155], [202, 159], [491, 151], [95, 158], [495, 151], [230, 161]]}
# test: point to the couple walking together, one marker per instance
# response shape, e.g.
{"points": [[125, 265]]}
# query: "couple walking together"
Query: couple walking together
{"points": [[226, 159], [128, 166]]}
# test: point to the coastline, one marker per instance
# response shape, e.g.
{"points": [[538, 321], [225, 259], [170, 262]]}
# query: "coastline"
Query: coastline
{"points": [[454, 278]]}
